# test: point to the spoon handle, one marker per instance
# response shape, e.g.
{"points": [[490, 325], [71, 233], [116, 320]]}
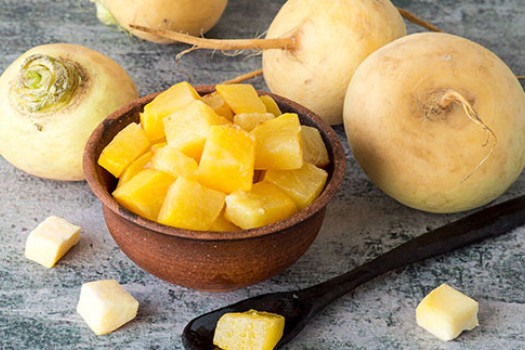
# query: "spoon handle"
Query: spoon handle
{"points": [[473, 228]]}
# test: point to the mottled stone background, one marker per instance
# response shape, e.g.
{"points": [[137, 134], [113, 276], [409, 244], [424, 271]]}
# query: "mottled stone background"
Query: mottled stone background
{"points": [[37, 305]]}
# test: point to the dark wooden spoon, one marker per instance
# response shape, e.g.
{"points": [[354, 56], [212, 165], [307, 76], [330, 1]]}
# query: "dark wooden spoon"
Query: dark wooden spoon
{"points": [[299, 306]]}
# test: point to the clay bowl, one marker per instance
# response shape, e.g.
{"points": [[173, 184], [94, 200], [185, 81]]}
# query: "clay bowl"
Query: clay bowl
{"points": [[210, 261]]}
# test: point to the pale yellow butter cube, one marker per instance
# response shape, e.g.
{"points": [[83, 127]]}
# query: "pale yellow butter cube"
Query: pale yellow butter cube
{"points": [[446, 312], [105, 306], [50, 240], [250, 330]]}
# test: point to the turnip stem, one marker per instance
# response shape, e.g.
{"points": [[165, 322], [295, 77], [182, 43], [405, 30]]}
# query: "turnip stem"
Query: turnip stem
{"points": [[416, 20], [46, 83], [244, 77], [452, 96], [220, 44], [251, 44]]}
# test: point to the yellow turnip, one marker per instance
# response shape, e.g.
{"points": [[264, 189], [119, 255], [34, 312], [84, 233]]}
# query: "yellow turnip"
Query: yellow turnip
{"points": [[332, 37], [437, 122], [51, 99], [194, 17]]}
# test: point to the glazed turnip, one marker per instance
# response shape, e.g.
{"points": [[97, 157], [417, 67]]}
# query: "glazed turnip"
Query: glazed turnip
{"points": [[194, 17], [437, 122], [313, 47], [51, 99]]}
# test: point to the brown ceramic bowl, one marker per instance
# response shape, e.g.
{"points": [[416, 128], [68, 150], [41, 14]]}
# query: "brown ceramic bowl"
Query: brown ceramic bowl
{"points": [[210, 261]]}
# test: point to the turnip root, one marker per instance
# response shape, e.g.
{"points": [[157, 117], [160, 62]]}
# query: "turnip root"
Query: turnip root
{"points": [[437, 122], [51, 99], [332, 39], [313, 47], [194, 17]]}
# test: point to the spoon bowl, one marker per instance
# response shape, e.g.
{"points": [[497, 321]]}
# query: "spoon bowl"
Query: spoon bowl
{"points": [[198, 333], [298, 307]]}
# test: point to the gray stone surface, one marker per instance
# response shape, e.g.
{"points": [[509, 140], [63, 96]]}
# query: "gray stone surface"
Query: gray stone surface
{"points": [[37, 305]]}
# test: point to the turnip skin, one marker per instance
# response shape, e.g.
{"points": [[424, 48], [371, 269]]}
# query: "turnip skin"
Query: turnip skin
{"points": [[194, 17], [430, 162], [50, 145], [332, 39]]}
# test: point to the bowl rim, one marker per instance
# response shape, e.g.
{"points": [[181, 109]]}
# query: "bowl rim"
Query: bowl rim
{"points": [[334, 183]]}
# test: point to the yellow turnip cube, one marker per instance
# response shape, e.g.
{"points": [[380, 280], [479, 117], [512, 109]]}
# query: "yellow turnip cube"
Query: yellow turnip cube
{"points": [[129, 144], [134, 168], [279, 143], [242, 98], [446, 312], [250, 330], [51, 240], [174, 162], [215, 101], [167, 102], [188, 128], [271, 105], [156, 146], [314, 148], [105, 306], [144, 193], [227, 160], [303, 185], [190, 205], [263, 205], [221, 224], [248, 121]]}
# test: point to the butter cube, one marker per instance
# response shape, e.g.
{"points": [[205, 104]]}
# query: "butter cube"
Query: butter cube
{"points": [[105, 306], [254, 330], [446, 312], [50, 240]]}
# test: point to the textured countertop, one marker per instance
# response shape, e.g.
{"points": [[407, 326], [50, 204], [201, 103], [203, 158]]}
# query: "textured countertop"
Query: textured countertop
{"points": [[37, 305]]}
